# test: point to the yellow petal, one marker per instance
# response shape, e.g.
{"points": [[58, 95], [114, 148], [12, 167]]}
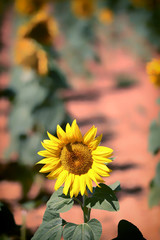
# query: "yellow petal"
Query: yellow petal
{"points": [[69, 133], [45, 153], [101, 159], [76, 132], [61, 134], [71, 192], [90, 135], [61, 179], [93, 145], [101, 166], [103, 151], [50, 149], [48, 160], [49, 167], [89, 183], [68, 183], [53, 138], [100, 170], [91, 174], [54, 174], [75, 188], [82, 183], [94, 176], [55, 146]]}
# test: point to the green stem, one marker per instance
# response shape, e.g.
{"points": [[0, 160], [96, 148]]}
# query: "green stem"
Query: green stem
{"points": [[23, 227], [78, 201], [86, 211]]}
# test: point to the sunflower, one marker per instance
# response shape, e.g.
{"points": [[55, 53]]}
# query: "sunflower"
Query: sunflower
{"points": [[41, 28], [31, 56], [75, 160], [83, 8], [28, 7], [106, 16], [153, 70]]}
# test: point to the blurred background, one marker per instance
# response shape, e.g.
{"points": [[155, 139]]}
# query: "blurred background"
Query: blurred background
{"points": [[79, 59]]}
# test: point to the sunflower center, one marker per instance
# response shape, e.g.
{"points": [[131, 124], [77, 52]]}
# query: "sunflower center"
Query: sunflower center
{"points": [[76, 158]]}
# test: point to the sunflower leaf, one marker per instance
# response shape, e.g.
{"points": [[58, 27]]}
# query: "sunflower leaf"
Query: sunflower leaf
{"points": [[103, 198], [47, 116], [51, 227], [69, 230], [154, 137], [59, 202], [154, 195], [29, 90], [20, 125], [115, 186], [91, 230]]}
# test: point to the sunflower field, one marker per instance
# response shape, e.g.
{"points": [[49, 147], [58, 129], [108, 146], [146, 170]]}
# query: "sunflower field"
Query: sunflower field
{"points": [[79, 119]]}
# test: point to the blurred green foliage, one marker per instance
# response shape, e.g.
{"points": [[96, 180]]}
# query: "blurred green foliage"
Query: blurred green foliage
{"points": [[125, 81], [154, 137], [154, 194], [36, 109]]}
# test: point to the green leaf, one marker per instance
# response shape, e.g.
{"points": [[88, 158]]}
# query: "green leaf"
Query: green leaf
{"points": [[127, 230], [83, 231], [103, 198], [12, 148], [59, 202], [96, 227], [49, 215], [19, 77], [69, 230], [154, 195], [31, 94], [49, 230], [157, 177], [115, 186], [56, 77], [49, 115], [91, 230], [124, 81], [7, 93], [20, 120], [51, 227], [154, 137], [158, 101], [28, 148]]}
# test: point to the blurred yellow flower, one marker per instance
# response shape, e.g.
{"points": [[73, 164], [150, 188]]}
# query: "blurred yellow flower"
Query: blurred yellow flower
{"points": [[75, 160], [41, 28], [31, 56], [28, 7], [83, 8], [153, 70], [106, 16]]}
